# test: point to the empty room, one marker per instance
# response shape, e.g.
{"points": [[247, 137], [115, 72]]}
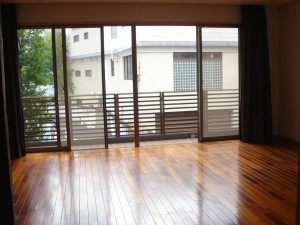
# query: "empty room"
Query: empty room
{"points": [[142, 112]]}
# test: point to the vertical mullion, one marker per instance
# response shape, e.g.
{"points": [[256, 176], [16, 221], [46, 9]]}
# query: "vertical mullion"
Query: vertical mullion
{"points": [[200, 83], [135, 88], [103, 87], [64, 50], [239, 80], [55, 87]]}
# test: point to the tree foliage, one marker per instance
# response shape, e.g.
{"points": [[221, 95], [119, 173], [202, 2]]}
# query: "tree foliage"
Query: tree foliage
{"points": [[37, 78], [35, 61], [59, 65]]}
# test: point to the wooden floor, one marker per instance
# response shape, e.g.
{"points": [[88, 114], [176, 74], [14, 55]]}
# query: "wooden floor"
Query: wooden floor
{"points": [[199, 183]]}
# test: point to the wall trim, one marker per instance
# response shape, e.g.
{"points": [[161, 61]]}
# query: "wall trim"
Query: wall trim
{"points": [[286, 139]]}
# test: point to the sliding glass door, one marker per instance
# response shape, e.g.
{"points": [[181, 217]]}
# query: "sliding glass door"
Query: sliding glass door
{"points": [[220, 82], [61, 90], [85, 88], [167, 82], [38, 87], [119, 85], [85, 92]]}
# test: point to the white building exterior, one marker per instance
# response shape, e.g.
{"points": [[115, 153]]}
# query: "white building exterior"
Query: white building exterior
{"points": [[156, 50]]}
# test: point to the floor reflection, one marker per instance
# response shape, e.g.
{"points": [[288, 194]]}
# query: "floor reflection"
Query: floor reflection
{"points": [[192, 183]]}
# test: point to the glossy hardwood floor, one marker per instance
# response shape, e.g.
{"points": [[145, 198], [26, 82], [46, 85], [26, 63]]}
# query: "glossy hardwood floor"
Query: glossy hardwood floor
{"points": [[227, 182]]}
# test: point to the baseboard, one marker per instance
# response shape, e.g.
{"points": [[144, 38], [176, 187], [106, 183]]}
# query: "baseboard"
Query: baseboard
{"points": [[286, 139]]}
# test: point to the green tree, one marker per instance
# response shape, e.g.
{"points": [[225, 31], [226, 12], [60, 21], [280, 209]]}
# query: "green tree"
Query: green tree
{"points": [[36, 68], [59, 65], [35, 61], [37, 76]]}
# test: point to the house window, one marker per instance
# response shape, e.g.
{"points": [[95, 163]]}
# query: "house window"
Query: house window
{"points": [[88, 73], [77, 73], [76, 38], [212, 70], [114, 32], [128, 68], [86, 35], [112, 66], [185, 71]]}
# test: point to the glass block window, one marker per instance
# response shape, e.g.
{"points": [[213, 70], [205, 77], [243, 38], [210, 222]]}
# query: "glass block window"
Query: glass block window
{"points": [[185, 75], [114, 32], [185, 71], [212, 70]]}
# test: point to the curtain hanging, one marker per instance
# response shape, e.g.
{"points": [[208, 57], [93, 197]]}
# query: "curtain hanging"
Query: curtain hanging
{"points": [[255, 91], [12, 81], [7, 212]]}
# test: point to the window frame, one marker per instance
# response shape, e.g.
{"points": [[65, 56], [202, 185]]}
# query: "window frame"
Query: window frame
{"points": [[88, 73], [86, 35], [76, 38], [77, 73], [112, 68]]}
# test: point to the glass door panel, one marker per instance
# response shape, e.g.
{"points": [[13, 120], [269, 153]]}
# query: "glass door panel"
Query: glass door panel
{"points": [[167, 82], [220, 89], [37, 88], [63, 131], [119, 85], [85, 94]]}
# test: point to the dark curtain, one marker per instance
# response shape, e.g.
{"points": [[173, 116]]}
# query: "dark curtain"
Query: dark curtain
{"points": [[12, 81], [7, 212], [255, 91]]}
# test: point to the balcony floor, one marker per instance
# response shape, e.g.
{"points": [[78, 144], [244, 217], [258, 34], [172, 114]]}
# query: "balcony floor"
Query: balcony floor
{"points": [[142, 144]]}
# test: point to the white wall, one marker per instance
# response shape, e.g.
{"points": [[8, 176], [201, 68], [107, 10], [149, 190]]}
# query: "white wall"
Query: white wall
{"points": [[92, 45], [155, 66], [117, 84], [156, 71], [230, 63], [230, 66], [86, 85]]}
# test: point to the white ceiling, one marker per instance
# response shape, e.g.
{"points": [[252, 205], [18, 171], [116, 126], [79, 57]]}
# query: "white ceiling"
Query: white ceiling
{"points": [[222, 2]]}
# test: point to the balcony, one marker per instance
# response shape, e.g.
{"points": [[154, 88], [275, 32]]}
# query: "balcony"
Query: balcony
{"points": [[162, 115]]}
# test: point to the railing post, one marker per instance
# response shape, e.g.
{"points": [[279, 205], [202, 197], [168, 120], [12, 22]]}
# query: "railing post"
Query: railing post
{"points": [[117, 114], [70, 118], [162, 113], [205, 111]]}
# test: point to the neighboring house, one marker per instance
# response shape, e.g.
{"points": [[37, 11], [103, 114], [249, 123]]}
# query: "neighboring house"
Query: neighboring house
{"points": [[166, 59]]}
